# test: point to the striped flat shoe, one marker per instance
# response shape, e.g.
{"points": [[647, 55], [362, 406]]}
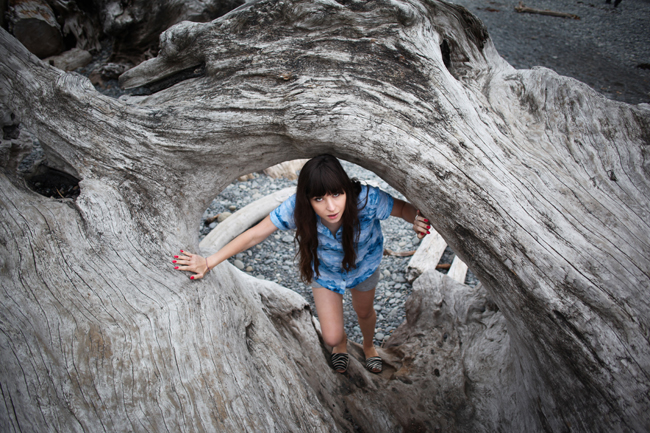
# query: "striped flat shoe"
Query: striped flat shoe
{"points": [[374, 364], [340, 362]]}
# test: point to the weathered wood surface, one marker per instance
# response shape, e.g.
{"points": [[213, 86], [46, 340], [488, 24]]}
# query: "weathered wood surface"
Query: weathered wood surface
{"points": [[427, 255], [537, 182], [457, 270]]}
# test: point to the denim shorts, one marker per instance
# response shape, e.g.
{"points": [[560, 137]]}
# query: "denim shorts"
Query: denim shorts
{"points": [[367, 284]]}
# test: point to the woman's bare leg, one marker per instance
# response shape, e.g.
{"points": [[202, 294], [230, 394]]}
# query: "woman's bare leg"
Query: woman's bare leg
{"points": [[329, 306], [363, 304]]}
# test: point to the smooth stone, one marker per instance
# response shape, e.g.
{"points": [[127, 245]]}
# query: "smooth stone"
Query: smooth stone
{"points": [[222, 216], [249, 269], [287, 239], [380, 336], [239, 264]]}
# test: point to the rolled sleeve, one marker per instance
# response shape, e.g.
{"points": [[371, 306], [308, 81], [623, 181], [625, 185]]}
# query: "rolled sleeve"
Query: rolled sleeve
{"points": [[282, 216], [382, 201]]}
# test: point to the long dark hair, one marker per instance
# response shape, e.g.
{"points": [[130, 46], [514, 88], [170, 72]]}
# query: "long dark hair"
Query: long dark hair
{"points": [[320, 176]]}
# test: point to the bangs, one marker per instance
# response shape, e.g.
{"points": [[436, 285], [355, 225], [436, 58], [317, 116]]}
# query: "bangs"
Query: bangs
{"points": [[326, 181]]}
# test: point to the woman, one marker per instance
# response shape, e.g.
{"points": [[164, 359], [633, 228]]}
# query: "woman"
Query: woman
{"points": [[340, 246]]}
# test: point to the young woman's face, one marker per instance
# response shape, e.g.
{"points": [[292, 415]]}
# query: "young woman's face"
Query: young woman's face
{"points": [[329, 208]]}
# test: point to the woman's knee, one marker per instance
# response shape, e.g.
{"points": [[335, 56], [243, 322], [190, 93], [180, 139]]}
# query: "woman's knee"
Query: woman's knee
{"points": [[365, 313], [333, 337]]}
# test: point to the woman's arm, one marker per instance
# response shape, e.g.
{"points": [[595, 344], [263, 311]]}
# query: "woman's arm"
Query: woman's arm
{"points": [[200, 265], [408, 213]]}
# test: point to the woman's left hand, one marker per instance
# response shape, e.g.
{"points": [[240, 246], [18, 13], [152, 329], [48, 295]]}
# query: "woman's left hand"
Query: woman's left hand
{"points": [[421, 225]]}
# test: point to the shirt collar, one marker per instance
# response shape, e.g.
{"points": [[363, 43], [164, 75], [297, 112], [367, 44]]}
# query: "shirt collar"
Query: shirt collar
{"points": [[320, 227]]}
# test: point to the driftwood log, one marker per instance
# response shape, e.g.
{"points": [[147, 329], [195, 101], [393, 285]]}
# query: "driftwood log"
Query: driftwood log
{"points": [[536, 181], [34, 24], [523, 9]]}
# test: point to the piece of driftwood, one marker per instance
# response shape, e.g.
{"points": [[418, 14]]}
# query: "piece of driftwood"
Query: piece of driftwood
{"points": [[389, 252], [34, 24], [470, 369], [243, 219], [536, 181], [287, 169], [458, 270], [523, 9], [70, 60], [83, 22], [427, 255]]}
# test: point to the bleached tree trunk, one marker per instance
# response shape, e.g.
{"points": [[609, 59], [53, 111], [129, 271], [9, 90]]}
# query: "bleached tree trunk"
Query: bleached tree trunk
{"points": [[537, 182]]}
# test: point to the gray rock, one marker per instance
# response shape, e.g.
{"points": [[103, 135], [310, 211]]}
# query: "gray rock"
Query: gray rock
{"points": [[239, 264], [111, 71]]}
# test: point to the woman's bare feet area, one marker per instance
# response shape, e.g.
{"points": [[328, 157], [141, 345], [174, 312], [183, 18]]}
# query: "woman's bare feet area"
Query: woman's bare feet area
{"points": [[370, 351]]}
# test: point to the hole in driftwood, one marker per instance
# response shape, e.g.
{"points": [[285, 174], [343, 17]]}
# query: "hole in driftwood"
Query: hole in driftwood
{"points": [[53, 183], [446, 53], [245, 202]]}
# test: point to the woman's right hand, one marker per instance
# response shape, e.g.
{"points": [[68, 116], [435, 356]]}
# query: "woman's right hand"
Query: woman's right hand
{"points": [[189, 262]]}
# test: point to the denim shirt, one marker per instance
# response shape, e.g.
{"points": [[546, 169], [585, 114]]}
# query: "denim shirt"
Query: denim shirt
{"points": [[369, 249]]}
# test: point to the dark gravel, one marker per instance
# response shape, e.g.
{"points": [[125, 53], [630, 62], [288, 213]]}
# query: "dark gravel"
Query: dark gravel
{"points": [[608, 48]]}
